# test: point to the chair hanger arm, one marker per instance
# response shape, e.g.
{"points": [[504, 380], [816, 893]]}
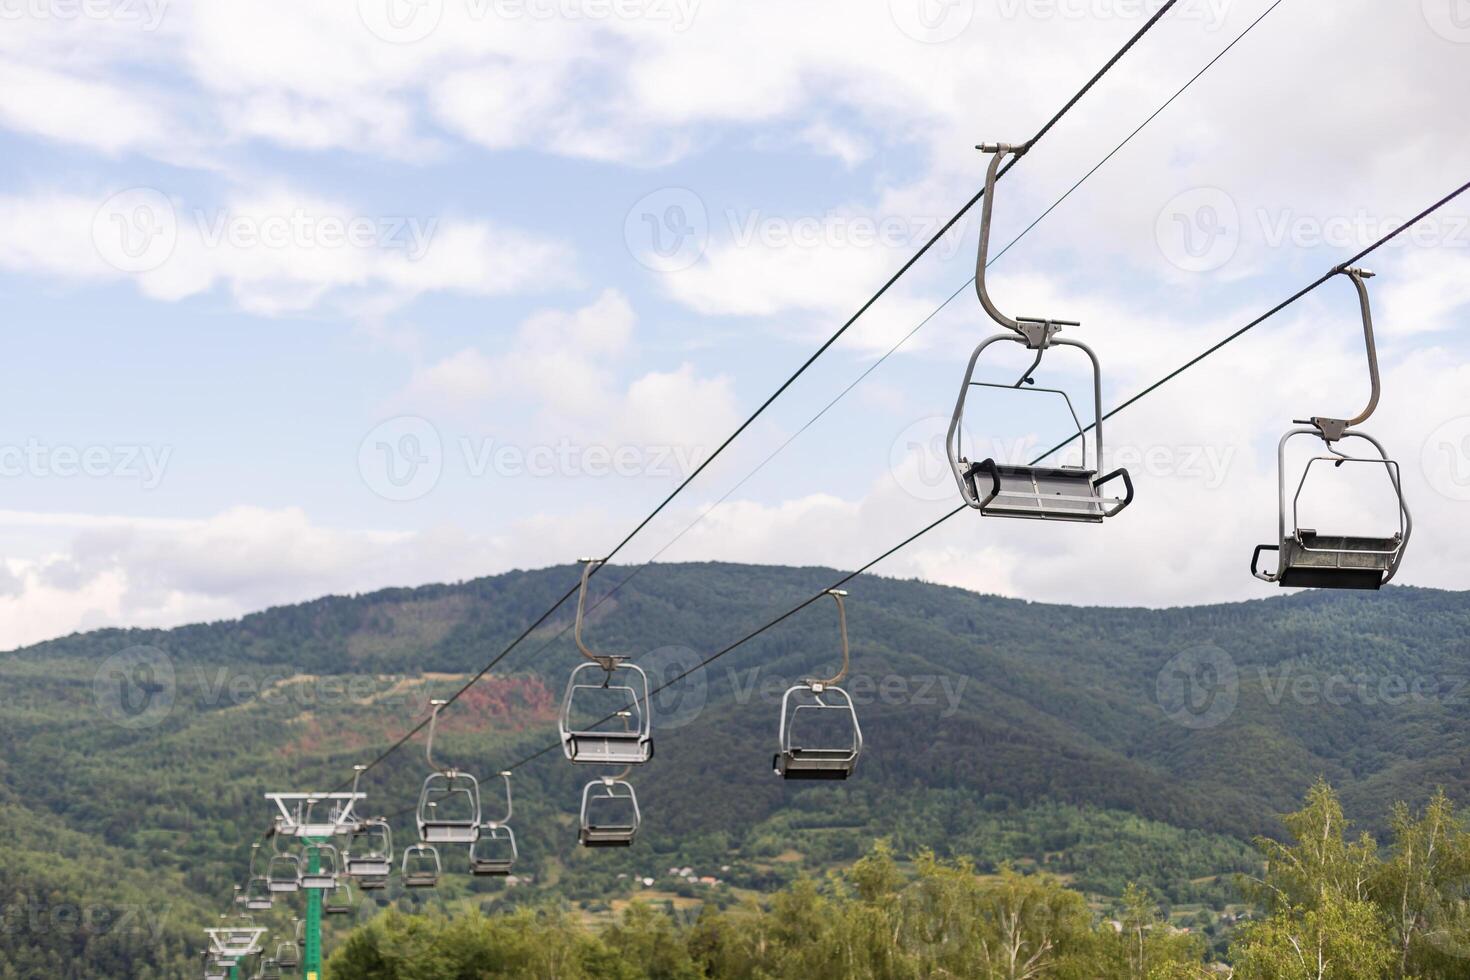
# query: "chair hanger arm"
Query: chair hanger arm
{"points": [[838, 594], [1332, 429], [998, 151], [606, 661], [1358, 276]]}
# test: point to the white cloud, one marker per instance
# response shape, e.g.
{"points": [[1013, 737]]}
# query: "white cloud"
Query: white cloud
{"points": [[278, 251], [564, 365], [100, 115]]}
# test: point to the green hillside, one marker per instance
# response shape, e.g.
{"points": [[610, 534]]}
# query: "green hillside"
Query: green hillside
{"points": [[1105, 745]]}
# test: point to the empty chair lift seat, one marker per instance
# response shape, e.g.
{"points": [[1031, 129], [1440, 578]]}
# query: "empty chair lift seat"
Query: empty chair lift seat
{"points": [[796, 761], [494, 854], [1312, 560], [610, 814], [1049, 493]]}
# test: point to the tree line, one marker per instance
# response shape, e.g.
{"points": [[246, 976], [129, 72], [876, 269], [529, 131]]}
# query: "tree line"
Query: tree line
{"points": [[1330, 905]]}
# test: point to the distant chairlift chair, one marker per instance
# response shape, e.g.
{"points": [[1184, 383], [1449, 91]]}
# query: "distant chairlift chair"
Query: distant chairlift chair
{"points": [[421, 866], [369, 859], [1308, 558], [610, 813], [820, 700], [339, 901], [495, 852], [283, 871], [599, 743], [438, 823], [288, 955], [324, 879], [257, 896], [1015, 489]]}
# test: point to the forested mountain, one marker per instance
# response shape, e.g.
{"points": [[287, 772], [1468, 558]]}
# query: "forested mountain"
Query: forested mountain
{"points": [[1105, 745]]}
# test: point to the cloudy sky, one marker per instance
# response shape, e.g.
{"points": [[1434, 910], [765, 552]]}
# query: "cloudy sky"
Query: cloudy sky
{"points": [[310, 297]]}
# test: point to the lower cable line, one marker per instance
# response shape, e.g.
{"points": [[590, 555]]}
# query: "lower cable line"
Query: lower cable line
{"points": [[827, 345], [1134, 399], [624, 580]]}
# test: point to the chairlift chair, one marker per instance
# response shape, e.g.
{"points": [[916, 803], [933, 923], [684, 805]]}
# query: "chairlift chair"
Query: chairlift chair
{"points": [[1011, 489], [462, 826], [328, 866], [495, 852], [257, 896], [421, 866], [627, 745], [288, 954], [1308, 558], [820, 699], [283, 873], [610, 814], [370, 850], [339, 900], [269, 969]]}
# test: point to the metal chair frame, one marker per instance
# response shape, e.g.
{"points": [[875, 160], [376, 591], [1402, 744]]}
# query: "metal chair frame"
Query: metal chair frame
{"points": [[1016, 490], [596, 746], [421, 876], [794, 761], [1307, 558], [441, 784], [602, 834], [496, 834]]}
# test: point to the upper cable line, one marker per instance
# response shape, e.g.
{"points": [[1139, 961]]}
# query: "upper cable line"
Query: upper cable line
{"points": [[1050, 124]]}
